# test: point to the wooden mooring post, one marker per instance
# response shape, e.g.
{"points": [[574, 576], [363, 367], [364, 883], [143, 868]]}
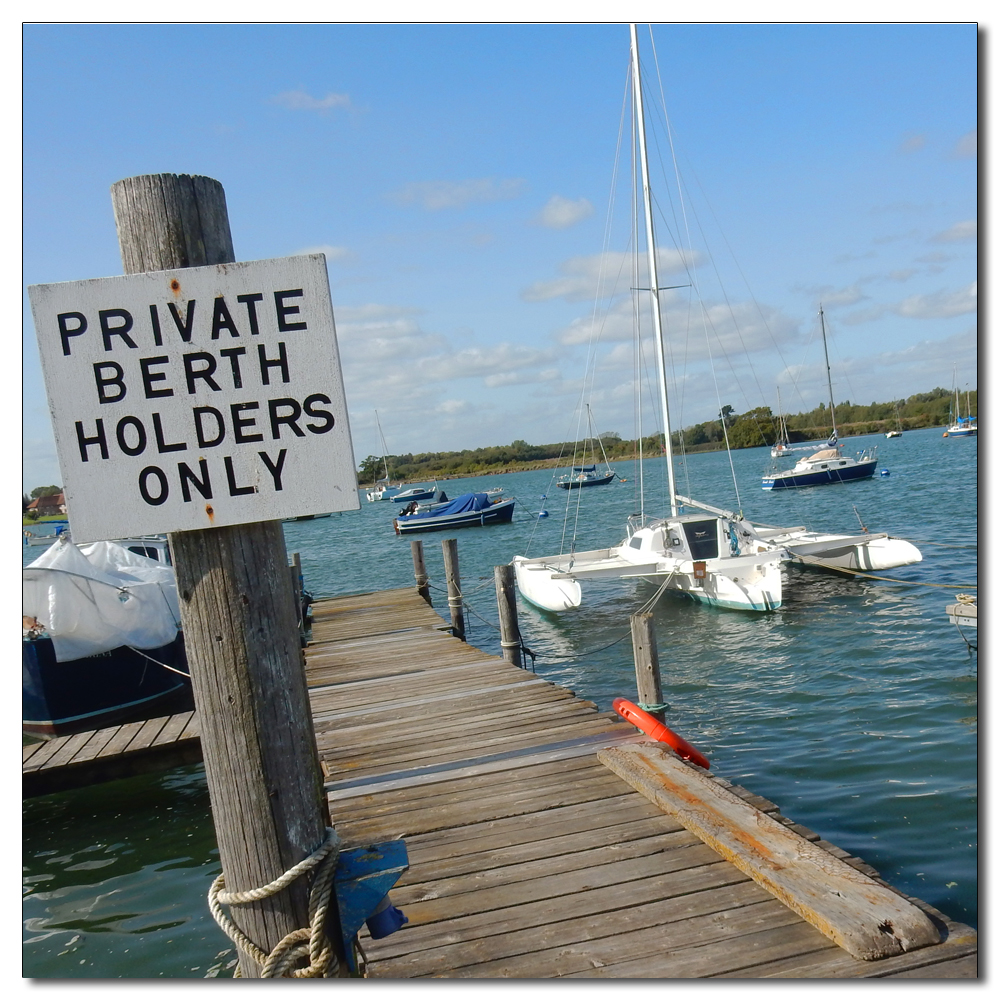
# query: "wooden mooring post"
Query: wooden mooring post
{"points": [[239, 622], [449, 548], [647, 665], [420, 570], [510, 634], [295, 573]]}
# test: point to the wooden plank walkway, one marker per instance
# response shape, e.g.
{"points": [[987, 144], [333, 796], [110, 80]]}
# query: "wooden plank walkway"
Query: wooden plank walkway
{"points": [[528, 857]]}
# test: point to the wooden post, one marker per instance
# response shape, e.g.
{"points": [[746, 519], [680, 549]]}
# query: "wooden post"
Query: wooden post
{"points": [[420, 570], [295, 572], [449, 546], [510, 634], [257, 738], [647, 663]]}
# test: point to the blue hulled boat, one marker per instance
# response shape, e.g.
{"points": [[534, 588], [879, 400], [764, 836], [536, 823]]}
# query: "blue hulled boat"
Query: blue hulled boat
{"points": [[828, 465], [585, 475], [465, 511], [100, 638]]}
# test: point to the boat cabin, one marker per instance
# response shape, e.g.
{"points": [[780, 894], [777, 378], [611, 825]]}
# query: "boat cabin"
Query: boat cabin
{"points": [[691, 536]]}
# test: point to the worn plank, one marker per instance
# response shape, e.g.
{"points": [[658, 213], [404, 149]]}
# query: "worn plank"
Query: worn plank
{"points": [[862, 916]]}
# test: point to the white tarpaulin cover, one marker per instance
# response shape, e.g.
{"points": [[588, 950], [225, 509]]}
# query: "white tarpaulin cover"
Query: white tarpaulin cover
{"points": [[94, 598]]}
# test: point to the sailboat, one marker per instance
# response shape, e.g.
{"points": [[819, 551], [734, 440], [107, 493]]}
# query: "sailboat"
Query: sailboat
{"points": [[829, 464], [587, 475], [966, 426], [782, 446], [382, 488], [715, 556], [898, 432]]}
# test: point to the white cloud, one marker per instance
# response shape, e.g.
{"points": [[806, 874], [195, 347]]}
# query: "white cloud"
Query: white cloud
{"points": [[867, 315], [453, 406], [437, 195], [523, 377], [561, 213], [332, 253], [691, 334], [299, 100], [604, 275], [939, 305], [967, 146], [835, 298], [959, 233]]}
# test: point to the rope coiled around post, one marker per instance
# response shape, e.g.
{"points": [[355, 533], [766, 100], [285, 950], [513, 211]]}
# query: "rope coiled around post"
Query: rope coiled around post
{"points": [[310, 941]]}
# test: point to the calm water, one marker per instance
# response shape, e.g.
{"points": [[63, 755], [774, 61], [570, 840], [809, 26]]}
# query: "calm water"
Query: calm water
{"points": [[853, 707]]}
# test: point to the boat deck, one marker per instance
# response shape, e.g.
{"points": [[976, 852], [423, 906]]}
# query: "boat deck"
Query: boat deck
{"points": [[529, 858]]}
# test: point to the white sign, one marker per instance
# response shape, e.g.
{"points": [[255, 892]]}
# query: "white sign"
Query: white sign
{"points": [[197, 397]]}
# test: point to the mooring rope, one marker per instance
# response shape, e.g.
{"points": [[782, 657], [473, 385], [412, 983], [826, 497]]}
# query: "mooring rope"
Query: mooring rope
{"points": [[308, 941], [165, 666]]}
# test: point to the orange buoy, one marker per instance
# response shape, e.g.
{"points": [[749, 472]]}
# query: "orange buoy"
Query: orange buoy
{"points": [[658, 731]]}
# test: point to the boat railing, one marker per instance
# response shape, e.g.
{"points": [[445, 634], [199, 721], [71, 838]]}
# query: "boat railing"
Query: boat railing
{"points": [[636, 521]]}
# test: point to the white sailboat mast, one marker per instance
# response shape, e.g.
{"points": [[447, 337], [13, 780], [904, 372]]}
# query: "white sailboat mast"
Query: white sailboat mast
{"points": [[829, 381], [385, 463], [651, 251]]}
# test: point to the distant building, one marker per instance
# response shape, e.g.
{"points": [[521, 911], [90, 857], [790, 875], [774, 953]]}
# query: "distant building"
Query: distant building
{"points": [[47, 506]]}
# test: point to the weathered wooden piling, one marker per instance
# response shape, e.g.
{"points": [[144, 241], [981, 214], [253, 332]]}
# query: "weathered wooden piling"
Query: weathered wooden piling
{"points": [[449, 548], [647, 665], [295, 572], [510, 634], [420, 570], [239, 622]]}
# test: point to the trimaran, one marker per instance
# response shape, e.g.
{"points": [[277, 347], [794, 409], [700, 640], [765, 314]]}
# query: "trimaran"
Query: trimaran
{"points": [[715, 556]]}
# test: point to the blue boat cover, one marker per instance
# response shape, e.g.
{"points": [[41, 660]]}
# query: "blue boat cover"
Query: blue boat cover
{"points": [[461, 504], [584, 468]]}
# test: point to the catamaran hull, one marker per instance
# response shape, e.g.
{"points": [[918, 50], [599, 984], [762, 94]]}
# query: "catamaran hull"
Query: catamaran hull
{"points": [[553, 584], [846, 474], [865, 557]]}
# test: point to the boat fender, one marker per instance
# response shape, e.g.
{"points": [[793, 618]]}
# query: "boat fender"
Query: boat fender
{"points": [[734, 540], [658, 731]]}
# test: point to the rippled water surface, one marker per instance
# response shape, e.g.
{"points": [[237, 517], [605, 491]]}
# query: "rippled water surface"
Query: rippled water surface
{"points": [[853, 707]]}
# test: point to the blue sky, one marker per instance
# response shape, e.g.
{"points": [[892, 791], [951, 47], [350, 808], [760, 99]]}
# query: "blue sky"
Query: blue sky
{"points": [[458, 178]]}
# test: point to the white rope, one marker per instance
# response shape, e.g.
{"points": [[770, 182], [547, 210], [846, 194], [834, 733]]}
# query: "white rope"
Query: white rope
{"points": [[310, 941]]}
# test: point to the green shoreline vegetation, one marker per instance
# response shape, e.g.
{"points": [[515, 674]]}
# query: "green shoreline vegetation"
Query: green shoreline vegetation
{"points": [[745, 430], [752, 429]]}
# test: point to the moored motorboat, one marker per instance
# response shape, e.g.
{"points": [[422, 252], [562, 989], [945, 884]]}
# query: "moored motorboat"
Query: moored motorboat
{"points": [[465, 511], [101, 643]]}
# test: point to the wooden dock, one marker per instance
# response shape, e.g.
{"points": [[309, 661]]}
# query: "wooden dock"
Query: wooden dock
{"points": [[529, 858]]}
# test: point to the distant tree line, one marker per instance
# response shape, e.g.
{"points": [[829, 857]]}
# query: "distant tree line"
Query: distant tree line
{"points": [[745, 430]]}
